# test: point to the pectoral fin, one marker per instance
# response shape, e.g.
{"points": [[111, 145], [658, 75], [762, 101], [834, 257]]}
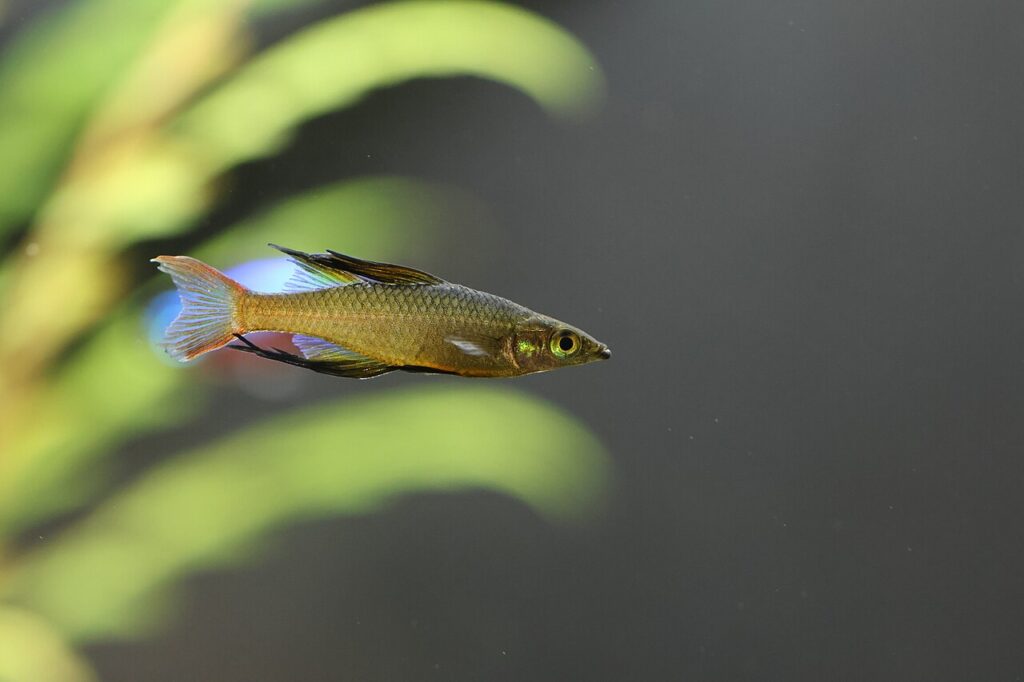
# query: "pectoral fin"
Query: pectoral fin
{"points": [[477, 345]]}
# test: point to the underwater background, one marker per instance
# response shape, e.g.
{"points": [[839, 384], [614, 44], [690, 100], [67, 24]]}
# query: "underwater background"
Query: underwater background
{"points": [[798, 225]]}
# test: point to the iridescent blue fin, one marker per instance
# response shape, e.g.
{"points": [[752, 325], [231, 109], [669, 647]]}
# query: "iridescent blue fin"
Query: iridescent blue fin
{"points": [[311, 275]]}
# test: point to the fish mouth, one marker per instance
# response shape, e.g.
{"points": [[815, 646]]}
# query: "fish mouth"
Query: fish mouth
{"points": [[604, 352]]}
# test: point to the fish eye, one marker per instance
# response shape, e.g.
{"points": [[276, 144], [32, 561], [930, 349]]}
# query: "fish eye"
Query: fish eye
{"points": [[565, 343]]}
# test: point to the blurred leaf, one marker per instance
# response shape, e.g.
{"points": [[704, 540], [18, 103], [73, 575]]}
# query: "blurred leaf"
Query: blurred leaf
{"points": [[120, 170], [260, 7], [80, 419], [113, 388], [155, 184], [32, 652], [108, 577], [195, 45], [337, 61], [51, 75], [375, 216]]}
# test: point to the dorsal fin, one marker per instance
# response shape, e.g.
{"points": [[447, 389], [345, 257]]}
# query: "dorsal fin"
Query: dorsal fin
{"points": [[336, 269], [385, 273], [312, 273]]}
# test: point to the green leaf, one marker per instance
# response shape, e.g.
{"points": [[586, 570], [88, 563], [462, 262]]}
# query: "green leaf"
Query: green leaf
{"points": [[161, 183], [337, 61], [51, 76], [262, 7], [110, 576], [33, 652], [377, 216]]}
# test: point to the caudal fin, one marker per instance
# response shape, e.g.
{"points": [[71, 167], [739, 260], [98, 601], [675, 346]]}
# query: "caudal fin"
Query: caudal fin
{"points": [[209, 301]]}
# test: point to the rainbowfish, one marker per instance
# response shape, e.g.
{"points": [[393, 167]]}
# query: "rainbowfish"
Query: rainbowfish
{"points": [[357, 318]]}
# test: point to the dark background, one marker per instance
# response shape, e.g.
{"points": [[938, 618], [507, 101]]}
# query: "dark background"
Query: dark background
{"points": [[798, 226]]}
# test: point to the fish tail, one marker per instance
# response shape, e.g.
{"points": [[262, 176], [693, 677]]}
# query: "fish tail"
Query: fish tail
{"points": [[209, 307]]}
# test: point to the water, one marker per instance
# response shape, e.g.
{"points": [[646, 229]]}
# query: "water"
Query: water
{"points": [[798, 227]]}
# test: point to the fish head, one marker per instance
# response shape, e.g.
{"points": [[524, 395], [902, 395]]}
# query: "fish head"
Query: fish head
{"points": [[542, 343]]}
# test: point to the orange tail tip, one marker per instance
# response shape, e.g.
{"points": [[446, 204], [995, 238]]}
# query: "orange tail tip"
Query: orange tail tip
{"points": [[209, 301]]}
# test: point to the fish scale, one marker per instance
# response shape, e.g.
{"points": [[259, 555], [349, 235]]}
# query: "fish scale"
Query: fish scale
{"points": [[361, 318]]}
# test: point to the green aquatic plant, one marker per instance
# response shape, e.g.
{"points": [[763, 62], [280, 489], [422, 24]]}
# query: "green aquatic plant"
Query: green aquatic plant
{"points": [[108, 148], [35, 650], [211, 506]]}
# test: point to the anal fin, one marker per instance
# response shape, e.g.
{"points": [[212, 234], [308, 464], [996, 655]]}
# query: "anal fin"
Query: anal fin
{"points": [[315, 348], [338, 362]]}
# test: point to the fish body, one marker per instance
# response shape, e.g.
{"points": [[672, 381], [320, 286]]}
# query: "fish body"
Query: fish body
{"points": [[360, 319], [438, 326]]}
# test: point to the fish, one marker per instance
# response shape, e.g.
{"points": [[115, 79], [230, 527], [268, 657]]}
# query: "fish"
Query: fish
{"points": [[361, 319]]}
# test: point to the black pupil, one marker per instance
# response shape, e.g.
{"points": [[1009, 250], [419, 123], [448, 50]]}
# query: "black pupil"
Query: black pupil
{"points": [[566, 343]]}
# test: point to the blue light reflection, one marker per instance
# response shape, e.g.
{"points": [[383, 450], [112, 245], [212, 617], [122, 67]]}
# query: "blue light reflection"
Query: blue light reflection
{"points": [[267, 275]]}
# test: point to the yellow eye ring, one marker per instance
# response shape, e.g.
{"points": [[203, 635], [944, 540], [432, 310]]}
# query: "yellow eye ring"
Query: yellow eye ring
{"points": [[564, 344]]}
